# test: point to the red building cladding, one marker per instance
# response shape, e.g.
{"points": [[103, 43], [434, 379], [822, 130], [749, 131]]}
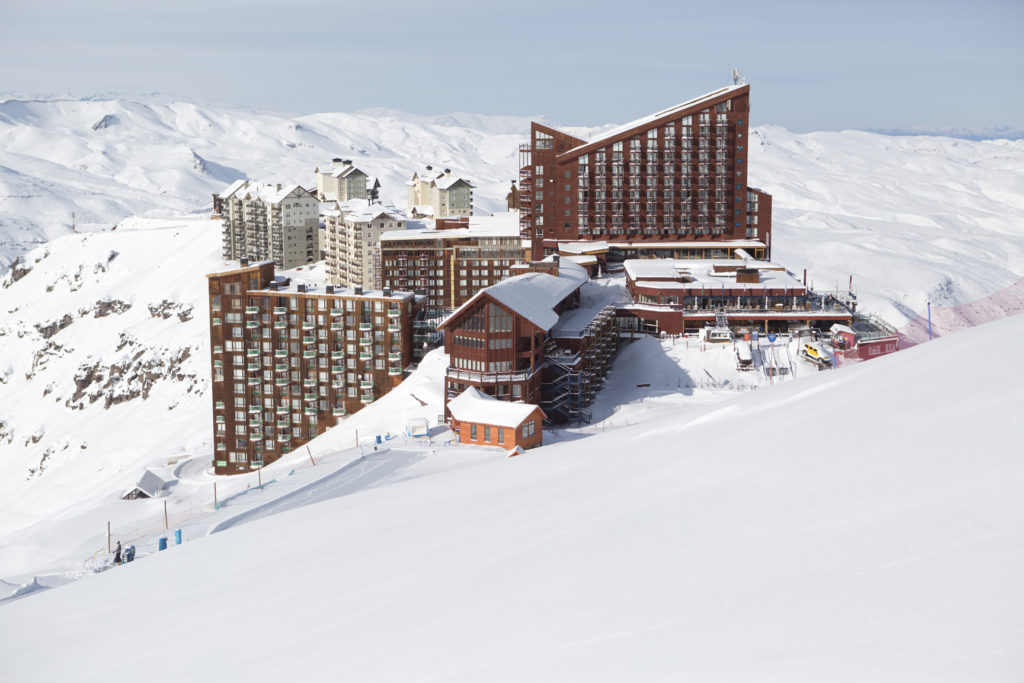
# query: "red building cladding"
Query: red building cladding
{"points": [[650, 188]]}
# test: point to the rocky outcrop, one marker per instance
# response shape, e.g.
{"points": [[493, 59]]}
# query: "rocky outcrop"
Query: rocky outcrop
{"points": [[132, 377], [104, 308], [50, 329], [165, 309]]}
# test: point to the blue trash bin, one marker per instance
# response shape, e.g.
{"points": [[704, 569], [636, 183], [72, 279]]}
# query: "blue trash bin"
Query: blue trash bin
{"points": [[177, 537], [161, 543], [378, 438]]}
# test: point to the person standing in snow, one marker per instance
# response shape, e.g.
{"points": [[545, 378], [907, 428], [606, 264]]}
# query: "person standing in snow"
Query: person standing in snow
{"points": [[117, 553]]}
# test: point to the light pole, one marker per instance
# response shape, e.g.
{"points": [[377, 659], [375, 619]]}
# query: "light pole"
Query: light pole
{"points": [[929, 321]]}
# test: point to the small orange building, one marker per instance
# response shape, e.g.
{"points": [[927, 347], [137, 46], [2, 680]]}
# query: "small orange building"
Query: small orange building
{"points": [[483, 420]]}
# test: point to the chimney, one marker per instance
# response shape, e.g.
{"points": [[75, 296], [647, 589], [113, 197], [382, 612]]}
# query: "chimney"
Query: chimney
{"points": [[330, 289], [387, 291], [279, 187], [335, 161], [358, 290], [430, 168], [447, 171], [300, 287], [243, 262], [347, 162]]}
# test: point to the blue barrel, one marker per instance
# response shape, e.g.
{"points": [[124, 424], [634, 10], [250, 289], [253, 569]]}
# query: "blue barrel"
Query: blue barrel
{"points": [[161, 543], [177, 537], [378, 438]]}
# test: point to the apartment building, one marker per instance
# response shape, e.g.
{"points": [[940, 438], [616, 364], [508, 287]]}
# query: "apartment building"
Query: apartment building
{"points": [[533, 338], [288, 359], [439, 194], [342, 181], [452, 259], [652, 187], [269, 222], [351, 233]]}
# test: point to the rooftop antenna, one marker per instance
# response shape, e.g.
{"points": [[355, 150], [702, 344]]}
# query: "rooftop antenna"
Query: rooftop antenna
{"points": [[737, 79]]}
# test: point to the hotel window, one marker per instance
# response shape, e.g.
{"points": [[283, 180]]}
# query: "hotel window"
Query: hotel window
{"points": [[501, 435], [487, 432], [472, 432]]}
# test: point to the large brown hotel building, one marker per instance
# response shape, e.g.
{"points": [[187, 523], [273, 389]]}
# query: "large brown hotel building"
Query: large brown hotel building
{"points": [[289, 359], [672, 184]]}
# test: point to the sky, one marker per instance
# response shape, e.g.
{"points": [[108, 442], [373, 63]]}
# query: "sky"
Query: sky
{"points": [[812, 65]]}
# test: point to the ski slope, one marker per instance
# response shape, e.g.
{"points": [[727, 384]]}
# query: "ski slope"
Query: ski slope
{"points": [[854, 525]]}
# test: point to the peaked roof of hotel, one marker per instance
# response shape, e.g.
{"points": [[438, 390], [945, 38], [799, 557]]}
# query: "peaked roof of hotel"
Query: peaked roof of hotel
{"points": [[532, 295]]}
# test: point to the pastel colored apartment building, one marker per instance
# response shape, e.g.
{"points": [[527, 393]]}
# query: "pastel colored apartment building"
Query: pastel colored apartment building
{"points": [[289, 360], [342, 181], [351, 232], [269, 222], [671, 184], [439, 194]]}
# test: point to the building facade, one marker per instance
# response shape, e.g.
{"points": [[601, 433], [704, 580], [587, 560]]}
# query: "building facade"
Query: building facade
{"points": [[529, 339], [682, 295], [342, 181], [439, 194], [288, 359], [351, 235], [655, 184], [482, 420], [269, 222], [451, 261]]}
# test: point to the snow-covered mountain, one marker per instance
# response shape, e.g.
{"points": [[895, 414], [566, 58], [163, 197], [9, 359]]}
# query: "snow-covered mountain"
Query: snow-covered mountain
{"points": [[764, 520], [912, 219], [105, 160]]}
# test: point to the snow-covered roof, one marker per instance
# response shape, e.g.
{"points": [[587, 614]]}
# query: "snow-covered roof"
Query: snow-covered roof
{"points": [[472, 405], [373, 211], [149, 485], [532, 295], [423, 209], [499, 225], [230, 267], [838, 328], [593, 299], [701, 274], [583, 247], [650, 118], [271, 194], [230, 190], [446, 181], [582, 260], [345, 171]]}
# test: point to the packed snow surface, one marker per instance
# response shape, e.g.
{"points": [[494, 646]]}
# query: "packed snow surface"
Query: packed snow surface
{"points": [[854, 525]]}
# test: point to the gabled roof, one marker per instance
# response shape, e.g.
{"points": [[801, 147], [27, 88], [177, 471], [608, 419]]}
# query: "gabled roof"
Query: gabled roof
{"points": [[230, 190], [448, 181], [271, 194], [532, 295], [371, 212], [149, 484], [472, 405]]}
